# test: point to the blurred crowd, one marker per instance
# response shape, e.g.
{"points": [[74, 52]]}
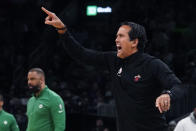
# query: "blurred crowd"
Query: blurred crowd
{"points": [[25, 42]]}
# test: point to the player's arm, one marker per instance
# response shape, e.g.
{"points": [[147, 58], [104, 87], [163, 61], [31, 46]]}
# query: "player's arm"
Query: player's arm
{"points": [[14, 125], [57, 111]]}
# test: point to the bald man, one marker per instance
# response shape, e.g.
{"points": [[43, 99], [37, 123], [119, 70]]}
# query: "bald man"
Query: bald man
{"points": [[45, 109]]}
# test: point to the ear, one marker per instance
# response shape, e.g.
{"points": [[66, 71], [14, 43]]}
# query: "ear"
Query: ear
{"points": [[1, 103], [135, 43], [42, 80]]}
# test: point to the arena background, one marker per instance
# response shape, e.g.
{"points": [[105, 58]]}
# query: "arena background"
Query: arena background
{"points": [[26, 42]]}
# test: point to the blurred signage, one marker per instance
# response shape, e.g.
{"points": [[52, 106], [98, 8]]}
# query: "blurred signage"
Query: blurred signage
{"points": [[93, 10]]}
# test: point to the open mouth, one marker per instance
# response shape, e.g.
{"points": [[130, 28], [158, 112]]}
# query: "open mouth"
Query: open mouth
{"points": [[119, 47]]}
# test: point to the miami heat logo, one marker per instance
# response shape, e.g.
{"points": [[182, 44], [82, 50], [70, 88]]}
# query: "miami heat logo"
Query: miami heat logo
{"points": [[136, 78], [119, 72]]}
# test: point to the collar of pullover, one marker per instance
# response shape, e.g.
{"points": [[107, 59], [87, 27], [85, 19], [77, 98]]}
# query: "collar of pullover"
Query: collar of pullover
{"points": [[132, 57], [1, 111], [42, 92], [193, 117]]}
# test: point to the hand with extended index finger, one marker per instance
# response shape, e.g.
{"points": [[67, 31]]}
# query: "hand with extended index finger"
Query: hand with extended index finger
{"points": [[52, 19]]}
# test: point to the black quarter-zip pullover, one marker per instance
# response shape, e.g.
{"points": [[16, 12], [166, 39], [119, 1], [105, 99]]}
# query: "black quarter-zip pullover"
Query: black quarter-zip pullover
{"points": [[137, 81]]}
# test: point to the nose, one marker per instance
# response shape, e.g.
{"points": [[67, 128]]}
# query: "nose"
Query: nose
{"points": [[29, 82], [116, 40]]}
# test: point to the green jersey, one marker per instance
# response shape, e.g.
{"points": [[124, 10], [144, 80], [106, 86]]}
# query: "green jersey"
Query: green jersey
{"points": [[46, 112], [7, 122]]}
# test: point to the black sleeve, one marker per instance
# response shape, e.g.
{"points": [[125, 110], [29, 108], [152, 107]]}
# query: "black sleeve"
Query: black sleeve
{"points": [[167, 79], [87, 56]]}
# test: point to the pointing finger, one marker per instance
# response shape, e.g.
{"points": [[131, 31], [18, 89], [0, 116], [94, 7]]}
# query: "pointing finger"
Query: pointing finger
{"points": [[47, 11]]}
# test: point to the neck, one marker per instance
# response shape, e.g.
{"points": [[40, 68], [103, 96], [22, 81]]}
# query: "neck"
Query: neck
{"points": [[1, 108], [135, 51]]}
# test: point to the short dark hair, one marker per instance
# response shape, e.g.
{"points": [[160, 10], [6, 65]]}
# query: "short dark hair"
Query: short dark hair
{"points": [[137, 31], [1, 97], [38, 70]]}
